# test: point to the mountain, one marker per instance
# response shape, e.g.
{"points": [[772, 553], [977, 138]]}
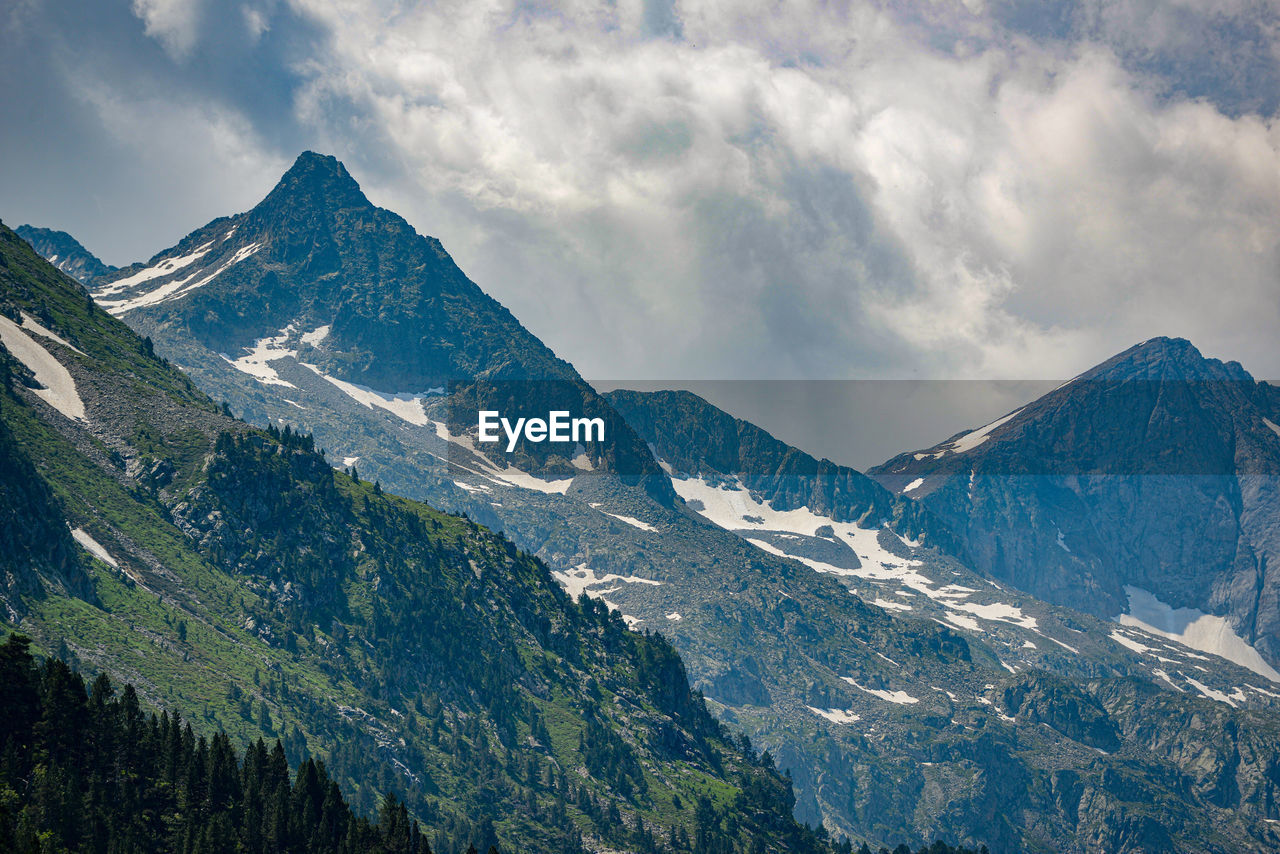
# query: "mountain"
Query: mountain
{"points": [[930, 703], [65, 252], [357, 304], [1144, 488], [233, 573], [695, 440]]}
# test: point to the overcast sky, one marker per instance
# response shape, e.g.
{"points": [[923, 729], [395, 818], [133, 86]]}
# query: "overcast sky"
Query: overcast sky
{"points": [[712, 189]]}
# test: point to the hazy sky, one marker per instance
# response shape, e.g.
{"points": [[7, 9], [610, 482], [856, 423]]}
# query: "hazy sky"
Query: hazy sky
{"points": [[710, 189]]}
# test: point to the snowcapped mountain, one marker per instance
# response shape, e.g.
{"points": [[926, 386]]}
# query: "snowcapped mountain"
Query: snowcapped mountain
{"points": [[837, 521], [906, 719], [232, 574], [1145, 489], [316, 293]]}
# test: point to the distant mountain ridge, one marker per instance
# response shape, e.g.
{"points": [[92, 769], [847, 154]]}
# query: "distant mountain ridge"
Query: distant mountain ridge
{"points": [[693, 438], [65, 252], [1158, 470]]}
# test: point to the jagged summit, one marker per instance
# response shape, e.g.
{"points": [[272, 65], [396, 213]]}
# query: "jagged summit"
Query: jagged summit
{"points": [[317, 285], [1159, 407], [316, 179]]}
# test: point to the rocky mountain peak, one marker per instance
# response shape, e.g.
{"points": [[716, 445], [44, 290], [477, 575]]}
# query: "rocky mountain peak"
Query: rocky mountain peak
{"points": [[316, 181], [1166, 359]]}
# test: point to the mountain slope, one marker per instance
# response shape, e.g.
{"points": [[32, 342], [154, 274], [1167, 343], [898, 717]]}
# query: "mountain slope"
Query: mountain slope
{"points": [[65, 252], [1147, 486], [696, 440], [894, 727], [1089, 685], [235, 573]]}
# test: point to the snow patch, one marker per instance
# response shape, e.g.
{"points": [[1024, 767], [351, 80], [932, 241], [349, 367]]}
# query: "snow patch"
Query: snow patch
{"points": [[578, 581], [1192, 628], [1065, 646], [632, 521], [349, 461], [902, 698], [509, 476], [915, 484], [1262, 691], [167, 267], [404, 405], [997, 612], [734, 508], [969, 441], [674, 616], [1206, 691], [59, 388], [1275, 428], [1160, 674], [315, 336], [175, 289], [890, 605], [30, 324], [960, 621], [1131, 644], [836, 716], [94, 547], [257, 359]]}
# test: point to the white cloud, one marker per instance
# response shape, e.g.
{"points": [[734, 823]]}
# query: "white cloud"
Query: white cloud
{"points": [[174, 23], [712, 189], [801, 194]]}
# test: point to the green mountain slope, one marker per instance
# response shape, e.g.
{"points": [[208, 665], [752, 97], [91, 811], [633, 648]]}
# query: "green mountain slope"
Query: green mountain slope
{"points": [[234, 574]]}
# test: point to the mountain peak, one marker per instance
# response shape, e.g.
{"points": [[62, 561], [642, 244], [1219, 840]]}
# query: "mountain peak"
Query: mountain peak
{"points": [[317, 179], [1166, 358]]}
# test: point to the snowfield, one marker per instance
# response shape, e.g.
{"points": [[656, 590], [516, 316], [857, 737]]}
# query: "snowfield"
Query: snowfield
{"points": [[734, 508], [1192, 628], [59, 389]]}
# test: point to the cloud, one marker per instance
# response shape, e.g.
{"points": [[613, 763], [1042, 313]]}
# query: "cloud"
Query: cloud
{"points": [[173, 22], [704, 189], [821, 193]]}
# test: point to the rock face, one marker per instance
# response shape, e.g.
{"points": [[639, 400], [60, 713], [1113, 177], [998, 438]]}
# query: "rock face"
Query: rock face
{"points": [[65, 252], [1155, 470]]}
